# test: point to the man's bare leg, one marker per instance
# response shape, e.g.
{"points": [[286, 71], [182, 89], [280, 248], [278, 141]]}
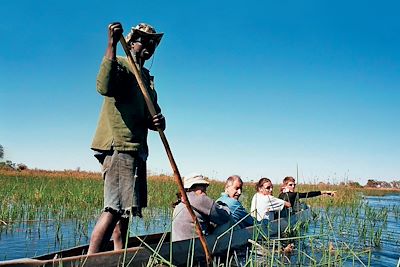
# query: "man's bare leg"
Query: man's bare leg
{"points": [[102, 232], [120, 233]]}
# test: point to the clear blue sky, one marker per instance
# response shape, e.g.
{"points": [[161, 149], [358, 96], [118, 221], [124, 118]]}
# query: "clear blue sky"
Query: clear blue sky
{"points": [[248, 87]]}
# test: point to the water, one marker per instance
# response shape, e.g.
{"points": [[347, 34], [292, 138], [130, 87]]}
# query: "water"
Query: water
{"points": [[389, 252], [34, 238], [30, 239], [354, 229]]}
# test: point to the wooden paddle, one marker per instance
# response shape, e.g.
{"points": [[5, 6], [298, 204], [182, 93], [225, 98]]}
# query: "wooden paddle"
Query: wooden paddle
{"points": [[164, 140]]}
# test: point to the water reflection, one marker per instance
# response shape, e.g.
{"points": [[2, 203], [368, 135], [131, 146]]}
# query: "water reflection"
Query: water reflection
{"points": [[30, 239]]}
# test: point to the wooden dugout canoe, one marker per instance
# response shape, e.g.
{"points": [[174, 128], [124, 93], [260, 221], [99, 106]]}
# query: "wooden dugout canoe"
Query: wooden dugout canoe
{"points": [[143, 249]]}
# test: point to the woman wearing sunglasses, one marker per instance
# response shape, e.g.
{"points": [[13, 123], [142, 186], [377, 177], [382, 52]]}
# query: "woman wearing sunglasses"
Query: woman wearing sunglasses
{"points": [[288, 192], [264, 204]]}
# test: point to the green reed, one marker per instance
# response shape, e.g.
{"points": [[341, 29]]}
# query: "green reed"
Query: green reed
{"points": [[43, 198], [40, 198], [64, 195], [52, 197]]}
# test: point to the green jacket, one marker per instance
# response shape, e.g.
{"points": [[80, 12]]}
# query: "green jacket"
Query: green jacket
{"points": [[124, 118]]}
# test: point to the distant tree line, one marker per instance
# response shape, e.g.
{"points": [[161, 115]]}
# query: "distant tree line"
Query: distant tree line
{"points": [[374, 183], [9, 164], [383, 184]]}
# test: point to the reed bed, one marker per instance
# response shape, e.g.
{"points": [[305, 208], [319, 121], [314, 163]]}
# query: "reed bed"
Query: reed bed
{"points": [[337, 223], [37, 195]]}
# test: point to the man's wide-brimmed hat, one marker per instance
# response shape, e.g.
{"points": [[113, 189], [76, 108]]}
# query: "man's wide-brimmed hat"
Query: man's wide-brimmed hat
{"points": [[144, 30], [193, 179]]}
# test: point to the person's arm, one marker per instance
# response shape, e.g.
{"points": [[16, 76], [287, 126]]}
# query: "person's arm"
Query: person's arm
{"points": [[239, 213], [276, 204], [114, 34], [158, 120], [309, 194], [219, 214], [107, 77], [329, 193]]}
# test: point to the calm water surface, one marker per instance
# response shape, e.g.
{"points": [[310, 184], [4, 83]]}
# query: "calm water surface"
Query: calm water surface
{"points": [[387, 254], [34, 239]]}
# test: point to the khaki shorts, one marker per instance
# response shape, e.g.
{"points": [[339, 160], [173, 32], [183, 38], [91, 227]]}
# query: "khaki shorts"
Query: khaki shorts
{"points": [[125, 185]]}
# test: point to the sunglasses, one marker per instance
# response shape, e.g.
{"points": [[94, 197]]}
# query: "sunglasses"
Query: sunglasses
{"points": [[144, 41], [268, 187], [292, 185]]}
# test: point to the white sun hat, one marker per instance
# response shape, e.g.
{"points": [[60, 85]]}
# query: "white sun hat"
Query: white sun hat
{"points": [[192, 179]]}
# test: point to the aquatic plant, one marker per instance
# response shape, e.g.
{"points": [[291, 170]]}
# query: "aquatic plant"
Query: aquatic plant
{"points": [[47, 200]]}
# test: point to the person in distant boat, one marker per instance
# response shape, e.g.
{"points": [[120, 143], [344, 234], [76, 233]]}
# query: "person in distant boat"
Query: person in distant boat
{"points": [[233, 190], [264, 204], [209, 213], [288, 192], [120, 141]]}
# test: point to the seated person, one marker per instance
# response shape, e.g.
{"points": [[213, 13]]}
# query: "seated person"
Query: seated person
{"points": [[264, 204], [207, 211], [288, 192], [233, 190]]}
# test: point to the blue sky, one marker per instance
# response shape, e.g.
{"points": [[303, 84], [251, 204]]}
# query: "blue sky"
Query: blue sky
{"points": [[252, 88]]}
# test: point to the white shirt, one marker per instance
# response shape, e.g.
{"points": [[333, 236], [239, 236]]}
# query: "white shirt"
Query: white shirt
{"points": [[262, 205]]}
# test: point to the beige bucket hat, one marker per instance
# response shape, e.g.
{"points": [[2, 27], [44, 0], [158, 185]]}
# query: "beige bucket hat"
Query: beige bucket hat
{"points": [[192, 179], [146, 30]]}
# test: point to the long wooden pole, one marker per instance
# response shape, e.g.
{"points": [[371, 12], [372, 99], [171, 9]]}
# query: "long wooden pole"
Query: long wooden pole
{"points": [[164, 140]]}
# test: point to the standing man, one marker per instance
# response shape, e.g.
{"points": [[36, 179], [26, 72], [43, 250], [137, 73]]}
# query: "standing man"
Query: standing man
{"points": [[233, 190], [121, 136]]}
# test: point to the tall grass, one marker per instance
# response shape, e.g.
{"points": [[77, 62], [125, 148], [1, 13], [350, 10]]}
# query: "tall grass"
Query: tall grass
{"points": [[50, 195], [43, 196]]}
